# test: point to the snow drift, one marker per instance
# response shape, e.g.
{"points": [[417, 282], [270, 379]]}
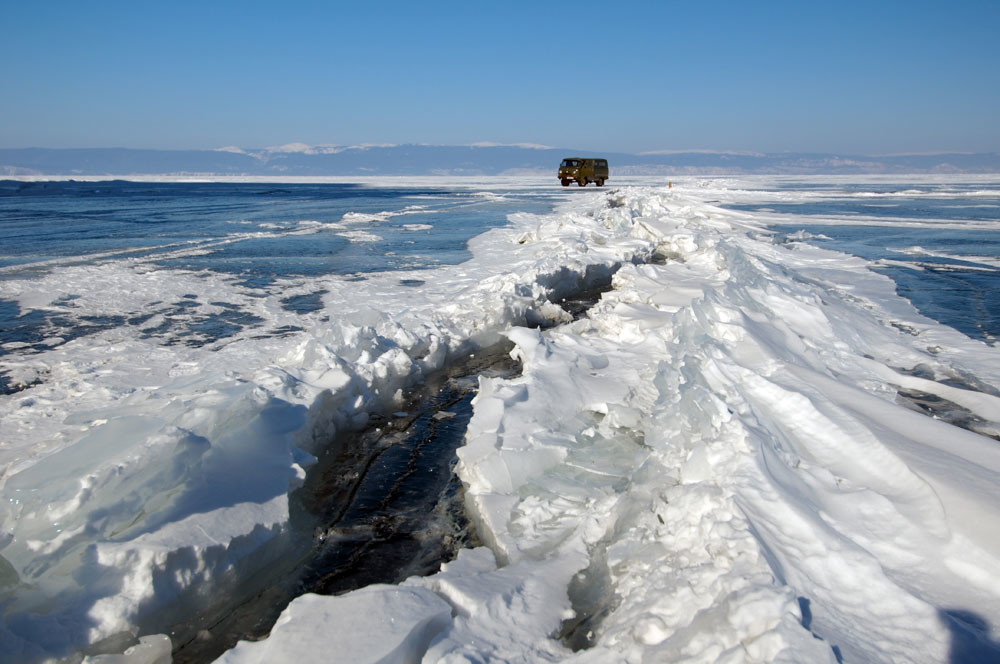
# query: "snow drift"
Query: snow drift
{"points": [[717, 464]]}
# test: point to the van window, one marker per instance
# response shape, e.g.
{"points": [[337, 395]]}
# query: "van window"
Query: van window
{"points": [[570, 162]]}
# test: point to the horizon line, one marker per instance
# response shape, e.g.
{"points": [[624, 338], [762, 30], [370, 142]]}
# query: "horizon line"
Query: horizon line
{"points": [[329, 148]]}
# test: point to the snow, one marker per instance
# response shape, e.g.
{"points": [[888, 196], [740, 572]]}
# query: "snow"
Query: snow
{"points": [[719, 444], [714, 464], [406, 619], [135, 472]]}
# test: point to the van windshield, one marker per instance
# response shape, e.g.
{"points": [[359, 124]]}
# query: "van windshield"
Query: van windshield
{"points": [[570, 162]]}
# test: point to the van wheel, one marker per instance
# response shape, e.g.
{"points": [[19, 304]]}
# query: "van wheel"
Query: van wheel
{"points": [[582, 183], [564, 182], [600, 183]]}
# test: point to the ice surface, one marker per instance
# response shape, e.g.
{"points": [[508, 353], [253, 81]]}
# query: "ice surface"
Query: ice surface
{"points": [[374, 624], [715, 464], [153, 649], [142, 477]]}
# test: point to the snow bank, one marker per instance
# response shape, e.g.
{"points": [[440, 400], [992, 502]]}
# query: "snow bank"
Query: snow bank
{"points": [[719, 463], [404, 619], [143, 477]]}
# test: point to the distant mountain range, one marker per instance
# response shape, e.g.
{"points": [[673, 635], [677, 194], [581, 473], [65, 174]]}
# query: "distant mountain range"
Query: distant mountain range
{"points": [[482, 159]]}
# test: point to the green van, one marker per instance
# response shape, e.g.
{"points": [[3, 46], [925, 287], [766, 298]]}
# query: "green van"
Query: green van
{"points": [[582, 171]]}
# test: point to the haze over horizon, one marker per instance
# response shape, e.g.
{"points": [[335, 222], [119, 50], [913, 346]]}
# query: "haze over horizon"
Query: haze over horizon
{"points": [[847, 78], [300, 147]]}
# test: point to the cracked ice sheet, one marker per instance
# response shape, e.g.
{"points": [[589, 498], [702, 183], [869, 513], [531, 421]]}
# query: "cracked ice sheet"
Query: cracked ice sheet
{"points": [[719, 443], [136, 476]]}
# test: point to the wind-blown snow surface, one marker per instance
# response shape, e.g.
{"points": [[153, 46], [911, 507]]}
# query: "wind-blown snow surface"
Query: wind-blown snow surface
{"points": [[713, 465], [715, 462]]}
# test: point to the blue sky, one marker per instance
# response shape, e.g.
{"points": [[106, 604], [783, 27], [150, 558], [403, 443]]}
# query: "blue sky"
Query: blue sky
{"points": [[849, 77]]}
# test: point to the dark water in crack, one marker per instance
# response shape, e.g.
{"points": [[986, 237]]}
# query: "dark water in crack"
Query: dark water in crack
{"points": [[404, 516], [380, 506]]}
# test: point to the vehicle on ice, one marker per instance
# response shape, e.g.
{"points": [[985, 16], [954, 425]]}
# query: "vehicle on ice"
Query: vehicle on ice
{"points": [[582, 171]]}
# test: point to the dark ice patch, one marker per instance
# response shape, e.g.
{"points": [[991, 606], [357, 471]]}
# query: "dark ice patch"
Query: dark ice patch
{"points": [[302, 304]]}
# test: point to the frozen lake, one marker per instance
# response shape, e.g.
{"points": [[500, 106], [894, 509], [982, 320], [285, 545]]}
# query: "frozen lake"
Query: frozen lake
{"points": [[249, 240], [774, 438]]}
